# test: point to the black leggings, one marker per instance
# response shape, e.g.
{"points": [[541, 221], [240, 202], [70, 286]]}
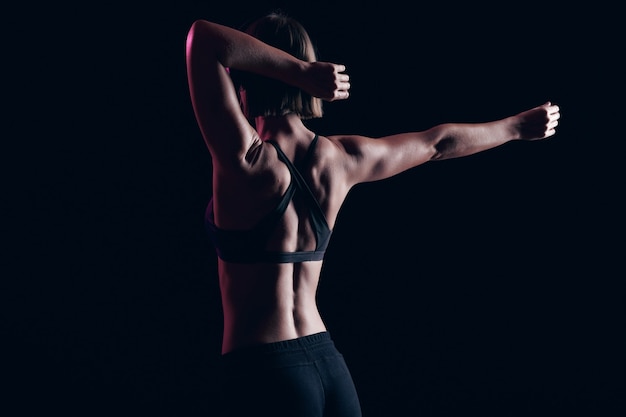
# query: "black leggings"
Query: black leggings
{"points": [[304, 377]]}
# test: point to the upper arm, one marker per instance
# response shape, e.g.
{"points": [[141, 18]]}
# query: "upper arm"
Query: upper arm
{"points": [[224, 127], [368, 159]]}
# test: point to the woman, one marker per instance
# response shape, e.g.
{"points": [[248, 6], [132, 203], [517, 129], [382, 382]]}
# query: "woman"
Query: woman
{"points": [[277, 190]]}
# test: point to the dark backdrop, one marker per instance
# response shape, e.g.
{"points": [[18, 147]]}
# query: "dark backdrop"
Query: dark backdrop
{"points": [[489, 285]]}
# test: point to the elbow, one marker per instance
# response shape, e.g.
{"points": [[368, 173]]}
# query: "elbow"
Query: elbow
{"points": [[442, 148], [198, 25], [199, 30], [194, 29], [438, 142], [193, 34], [202, 41]]}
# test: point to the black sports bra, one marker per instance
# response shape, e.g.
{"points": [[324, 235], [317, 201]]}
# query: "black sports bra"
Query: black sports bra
{"points": [[248, 246]]}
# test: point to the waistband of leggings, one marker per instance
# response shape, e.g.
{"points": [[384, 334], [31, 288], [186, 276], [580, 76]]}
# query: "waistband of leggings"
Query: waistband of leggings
{"points": [[283, 345]]}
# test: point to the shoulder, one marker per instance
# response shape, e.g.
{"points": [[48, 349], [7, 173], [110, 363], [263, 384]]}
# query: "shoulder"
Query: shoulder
{"points": [[349, 148], [339, 156]]}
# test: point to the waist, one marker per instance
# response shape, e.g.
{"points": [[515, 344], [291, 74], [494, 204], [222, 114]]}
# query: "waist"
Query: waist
{"points": [[299, 349], [242, 335]]}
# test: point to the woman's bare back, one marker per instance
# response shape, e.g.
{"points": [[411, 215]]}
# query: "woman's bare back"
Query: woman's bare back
{"points": [[265, 302]]}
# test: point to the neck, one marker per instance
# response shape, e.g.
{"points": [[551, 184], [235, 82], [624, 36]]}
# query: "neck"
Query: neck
{"points": [[272, 126]]}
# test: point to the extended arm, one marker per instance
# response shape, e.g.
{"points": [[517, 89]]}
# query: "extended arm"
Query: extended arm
{"points": [[210, 49], [374, 159]]}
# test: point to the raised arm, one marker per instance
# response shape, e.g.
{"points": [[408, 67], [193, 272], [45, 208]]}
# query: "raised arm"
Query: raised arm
{"points": [[211, 48], [374, 159]]}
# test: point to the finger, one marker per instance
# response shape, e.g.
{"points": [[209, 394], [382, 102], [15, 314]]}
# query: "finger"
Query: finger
{"points": [[340, 68], [553, 109], [553, 117], [341, 95]]}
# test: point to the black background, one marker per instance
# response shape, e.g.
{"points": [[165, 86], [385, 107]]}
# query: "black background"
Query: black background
{"points": [[489, 285]]}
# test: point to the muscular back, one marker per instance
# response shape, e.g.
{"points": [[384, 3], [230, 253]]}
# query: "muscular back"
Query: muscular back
{"points": [[266, 302]]}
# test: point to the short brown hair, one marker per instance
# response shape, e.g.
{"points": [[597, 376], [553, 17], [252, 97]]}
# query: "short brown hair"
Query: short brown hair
{"points": [[270, 97]]}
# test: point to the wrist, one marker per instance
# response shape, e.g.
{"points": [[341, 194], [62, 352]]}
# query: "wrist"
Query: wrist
{"points": [[296, 73], [513, 128]]}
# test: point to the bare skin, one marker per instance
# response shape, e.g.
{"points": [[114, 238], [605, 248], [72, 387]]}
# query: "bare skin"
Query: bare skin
{"points": [[263, 302]]}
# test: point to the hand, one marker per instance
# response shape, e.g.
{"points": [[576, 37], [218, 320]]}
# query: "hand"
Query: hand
{"points": [[326, 81], [539, 122]]}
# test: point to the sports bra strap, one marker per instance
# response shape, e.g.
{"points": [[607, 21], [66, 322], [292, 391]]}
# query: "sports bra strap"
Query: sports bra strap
{"points": [[246, 246]]}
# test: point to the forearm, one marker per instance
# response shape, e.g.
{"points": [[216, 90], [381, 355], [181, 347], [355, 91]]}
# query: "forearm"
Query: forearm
{"points": [[238, 50], [454, 140]]}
